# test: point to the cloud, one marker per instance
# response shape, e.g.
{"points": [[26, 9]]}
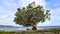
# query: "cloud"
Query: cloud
{"points": [[55, 11], [7, 11], [24, 3], [9, 7], [8, 2], [40, 2], [55, 18], [3, 16]]}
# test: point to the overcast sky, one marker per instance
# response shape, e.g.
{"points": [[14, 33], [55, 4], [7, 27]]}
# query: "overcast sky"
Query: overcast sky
{"points": [[9, 7]]}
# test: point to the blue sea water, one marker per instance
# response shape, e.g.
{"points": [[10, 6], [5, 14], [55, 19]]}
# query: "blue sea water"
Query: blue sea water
{"points": [[7, 27], [47, 27], [2, 27]]}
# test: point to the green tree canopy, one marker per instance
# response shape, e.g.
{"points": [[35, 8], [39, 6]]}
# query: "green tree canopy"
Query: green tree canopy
{"points": [[31, 14]]}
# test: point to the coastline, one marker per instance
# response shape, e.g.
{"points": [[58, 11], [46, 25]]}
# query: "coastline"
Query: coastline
{"points": [[45, 31]]}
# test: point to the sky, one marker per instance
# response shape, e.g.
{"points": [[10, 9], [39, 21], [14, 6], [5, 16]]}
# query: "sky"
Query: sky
{"points": [[9, 7]]}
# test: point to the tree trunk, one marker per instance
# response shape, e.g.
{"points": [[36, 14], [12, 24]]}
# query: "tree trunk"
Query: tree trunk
{"points": [[34, 27]]}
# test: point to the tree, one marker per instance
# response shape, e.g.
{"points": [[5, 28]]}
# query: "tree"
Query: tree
{"points": [[31, 15]]}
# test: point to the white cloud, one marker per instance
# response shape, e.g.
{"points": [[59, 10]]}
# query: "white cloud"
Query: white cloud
{"points": [[56, 10], [55, 18], [9, 2], [10, 8], [26, 2], [3, 16], [7, 11], [40, 2], [49, 23], [44, 24]]}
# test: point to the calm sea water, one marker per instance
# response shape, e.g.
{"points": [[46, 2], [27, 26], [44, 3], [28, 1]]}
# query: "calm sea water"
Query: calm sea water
{"points": [[24, 28]]}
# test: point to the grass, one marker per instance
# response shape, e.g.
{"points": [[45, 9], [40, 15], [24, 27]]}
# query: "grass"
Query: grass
{"points": [[6, 33]]}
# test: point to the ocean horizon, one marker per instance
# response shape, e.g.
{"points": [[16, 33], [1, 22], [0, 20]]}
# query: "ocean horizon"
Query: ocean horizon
{"points": [[3, 27]]}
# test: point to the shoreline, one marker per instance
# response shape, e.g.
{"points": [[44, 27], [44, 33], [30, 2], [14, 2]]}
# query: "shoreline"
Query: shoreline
{"points": [[48, 31]]}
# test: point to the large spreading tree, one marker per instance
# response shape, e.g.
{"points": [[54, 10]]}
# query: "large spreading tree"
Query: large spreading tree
{"points": [[31, 15]]}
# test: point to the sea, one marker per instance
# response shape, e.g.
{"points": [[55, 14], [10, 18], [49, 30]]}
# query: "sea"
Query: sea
{"points": [[3, 27]]}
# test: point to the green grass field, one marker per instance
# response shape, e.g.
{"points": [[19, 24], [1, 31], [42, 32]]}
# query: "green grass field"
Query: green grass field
{"points": [[6, 33]]}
